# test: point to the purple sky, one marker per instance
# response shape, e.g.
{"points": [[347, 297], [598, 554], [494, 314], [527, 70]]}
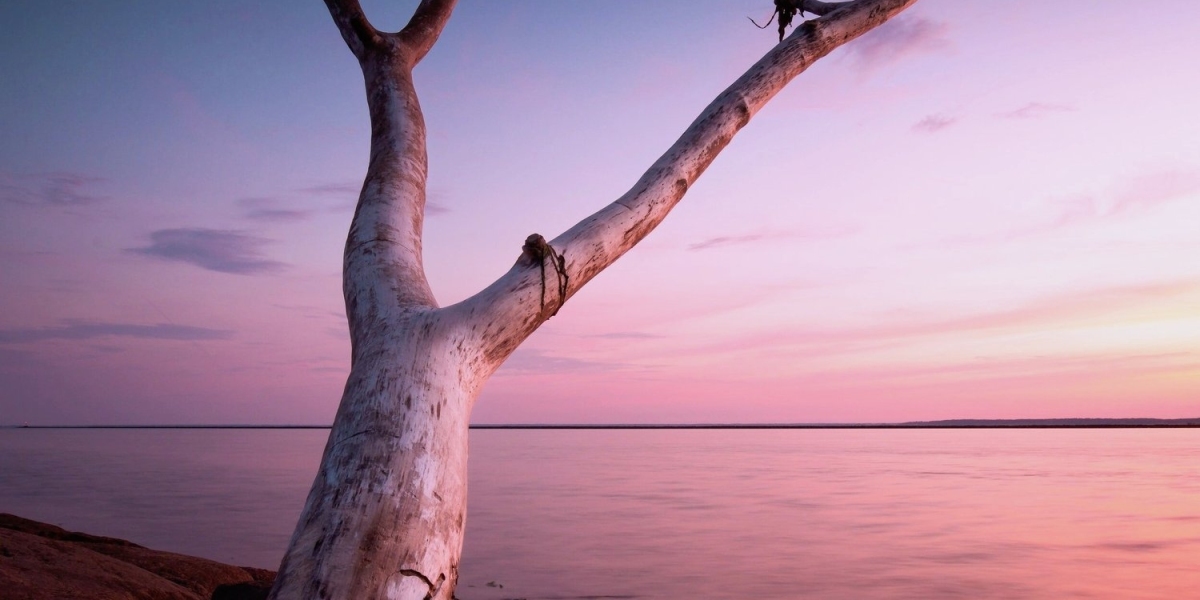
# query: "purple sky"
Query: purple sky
{"points": [[969, 213]]}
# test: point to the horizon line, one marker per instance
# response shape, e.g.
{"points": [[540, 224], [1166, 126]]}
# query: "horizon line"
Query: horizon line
{"points": [[1056, 423]]}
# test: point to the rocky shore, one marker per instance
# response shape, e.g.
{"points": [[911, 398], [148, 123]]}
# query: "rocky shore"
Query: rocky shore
{"points": [[44, 562]]}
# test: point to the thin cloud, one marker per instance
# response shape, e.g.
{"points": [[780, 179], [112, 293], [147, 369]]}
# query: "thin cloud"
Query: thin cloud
{"points": [[218, 250], [1139, 193], [897, 39], [434, 204], [278, 215], [751, 238], [1142, 192], [624, 335], [1071, 210], [1152, 189], [346, 194], [334, 189], [87, 330], [527, 361], [970, 376], [265, 210], [727, 240], [432, 208], [933, 124], [50, 189], [1095, 305], [1036, 110]]}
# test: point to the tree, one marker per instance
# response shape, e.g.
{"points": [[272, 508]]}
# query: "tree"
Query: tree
{"points": [[386, 513]]}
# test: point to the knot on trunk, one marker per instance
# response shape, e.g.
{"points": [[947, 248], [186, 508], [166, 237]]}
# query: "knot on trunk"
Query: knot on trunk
{"points": [[538, 250]]}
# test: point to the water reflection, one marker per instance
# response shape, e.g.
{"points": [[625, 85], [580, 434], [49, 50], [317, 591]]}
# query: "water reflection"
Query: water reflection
{"points": [[835, 514], [687, 514]]}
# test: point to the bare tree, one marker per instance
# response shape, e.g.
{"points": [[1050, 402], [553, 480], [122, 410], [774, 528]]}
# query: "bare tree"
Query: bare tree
{"points": [[386, 513]]}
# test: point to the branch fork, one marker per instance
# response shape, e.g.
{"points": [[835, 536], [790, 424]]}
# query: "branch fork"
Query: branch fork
{"points": [[386, 513]]}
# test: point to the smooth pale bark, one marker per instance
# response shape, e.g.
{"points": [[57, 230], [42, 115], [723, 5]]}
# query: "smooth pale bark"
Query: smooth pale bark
{"points": [[386, 513]]}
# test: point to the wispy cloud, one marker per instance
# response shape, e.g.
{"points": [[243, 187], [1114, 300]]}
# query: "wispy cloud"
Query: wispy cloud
{"points": [[1035, 110], [933, 123], [751, 238], [897, 39], [529, 361], [86, 330], [266, 210], [1094, 305], [1003, 378], [1142, 192], [1130, 197], [50, 189], [435, 203], [218, 250], [346, 196], [334, 189], [278, 215], [728, 240], [1152, 189], [434, 209], [296, 205], [624, 335]]}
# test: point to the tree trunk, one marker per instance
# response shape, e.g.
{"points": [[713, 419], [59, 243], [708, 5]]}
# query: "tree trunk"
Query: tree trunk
{"points": [[386, 513]]}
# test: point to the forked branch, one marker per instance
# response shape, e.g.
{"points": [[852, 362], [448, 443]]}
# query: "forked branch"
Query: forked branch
{"points": [[425, 27], [358, 32], [383, 273], [416, 39]]}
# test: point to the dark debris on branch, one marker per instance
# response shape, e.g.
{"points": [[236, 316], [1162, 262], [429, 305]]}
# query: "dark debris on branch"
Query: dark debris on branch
{"points": [[786, 9]]}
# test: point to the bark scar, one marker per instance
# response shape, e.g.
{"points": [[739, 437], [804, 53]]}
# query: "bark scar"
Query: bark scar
{"points": [[433, 589], [538, 249]]}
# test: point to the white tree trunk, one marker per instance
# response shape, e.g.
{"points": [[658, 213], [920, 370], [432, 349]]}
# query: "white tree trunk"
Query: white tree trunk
{"points": [[386, 513]]}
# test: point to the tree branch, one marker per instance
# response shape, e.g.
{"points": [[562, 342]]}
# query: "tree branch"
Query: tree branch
{"points": [[506, 312], [354, 26], [424, 28], [383, 272]]}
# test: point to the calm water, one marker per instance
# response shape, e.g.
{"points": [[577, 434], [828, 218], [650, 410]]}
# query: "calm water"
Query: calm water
{"points": [[687, 514]]}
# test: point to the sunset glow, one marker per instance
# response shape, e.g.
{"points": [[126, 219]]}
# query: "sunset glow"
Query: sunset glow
{"points": [[973, 212]]}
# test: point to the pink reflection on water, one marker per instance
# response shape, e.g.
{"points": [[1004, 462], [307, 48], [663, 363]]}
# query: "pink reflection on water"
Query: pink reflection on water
{"points": [[874, 514], [833, 514]]}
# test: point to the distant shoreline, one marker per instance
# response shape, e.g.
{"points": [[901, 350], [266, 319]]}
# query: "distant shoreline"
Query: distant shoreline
{"points": [[947, 424]]}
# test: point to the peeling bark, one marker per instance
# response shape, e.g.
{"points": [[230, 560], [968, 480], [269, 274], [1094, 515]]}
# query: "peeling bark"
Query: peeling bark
{"points": [[386, 513]]}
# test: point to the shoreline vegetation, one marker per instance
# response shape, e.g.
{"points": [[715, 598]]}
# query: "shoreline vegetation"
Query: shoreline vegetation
{"points": [[1133, 423], [39, 561]]}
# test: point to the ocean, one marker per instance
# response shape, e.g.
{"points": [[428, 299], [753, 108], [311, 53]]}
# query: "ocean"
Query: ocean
{"points": [[737, 514]]}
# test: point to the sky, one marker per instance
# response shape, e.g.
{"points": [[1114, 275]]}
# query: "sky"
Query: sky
{"points": [[980, 210]]}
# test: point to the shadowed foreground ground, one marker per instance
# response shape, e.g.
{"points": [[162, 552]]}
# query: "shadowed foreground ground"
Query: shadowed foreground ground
{"points": [[43, 562]]}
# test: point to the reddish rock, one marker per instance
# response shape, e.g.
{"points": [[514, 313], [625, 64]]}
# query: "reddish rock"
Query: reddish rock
{"points": [[43, 562]]}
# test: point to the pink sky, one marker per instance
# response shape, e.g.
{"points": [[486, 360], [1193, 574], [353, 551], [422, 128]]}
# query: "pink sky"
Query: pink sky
{"points": [[970, 213]]}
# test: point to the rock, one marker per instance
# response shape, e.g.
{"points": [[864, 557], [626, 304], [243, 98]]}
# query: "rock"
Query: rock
{"points": [[35, 568], [53, 532], [43, 562], [242, 591]]}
